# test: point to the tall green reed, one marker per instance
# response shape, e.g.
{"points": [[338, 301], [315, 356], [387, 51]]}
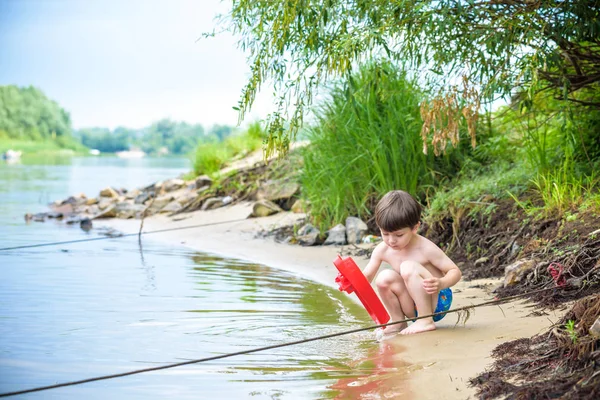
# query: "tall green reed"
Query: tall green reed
{"points": [[366, 141]]}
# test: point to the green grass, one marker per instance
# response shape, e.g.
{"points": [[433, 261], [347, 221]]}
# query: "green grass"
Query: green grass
{"points": [[38, 147], [213, 156], [559, 192], [478, 192]]}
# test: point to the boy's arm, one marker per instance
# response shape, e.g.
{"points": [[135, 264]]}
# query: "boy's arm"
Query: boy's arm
{"points": [[441, 261], [374, 263]]}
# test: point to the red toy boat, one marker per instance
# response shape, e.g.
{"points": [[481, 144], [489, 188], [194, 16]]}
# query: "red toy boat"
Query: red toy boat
{"points": [[351, 279]]}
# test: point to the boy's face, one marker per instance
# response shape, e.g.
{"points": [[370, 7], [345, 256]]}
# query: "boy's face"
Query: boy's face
{"points": [[399, 239]]}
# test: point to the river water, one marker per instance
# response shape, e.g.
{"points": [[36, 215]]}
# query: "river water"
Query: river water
{"points": [[82, 310]]}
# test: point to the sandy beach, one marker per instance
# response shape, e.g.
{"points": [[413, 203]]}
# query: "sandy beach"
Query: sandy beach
{"points": [[432, 365]]}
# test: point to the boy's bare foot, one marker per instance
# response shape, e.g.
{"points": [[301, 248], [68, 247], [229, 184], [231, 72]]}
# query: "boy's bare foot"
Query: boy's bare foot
{"points": [[389, 331], [418, 327], [392, 329]]}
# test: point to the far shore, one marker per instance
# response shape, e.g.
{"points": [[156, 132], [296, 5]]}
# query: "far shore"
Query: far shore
{"points": [[432, 365]]}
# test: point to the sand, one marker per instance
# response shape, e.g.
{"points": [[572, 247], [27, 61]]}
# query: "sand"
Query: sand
{"points": [[433, 365]]}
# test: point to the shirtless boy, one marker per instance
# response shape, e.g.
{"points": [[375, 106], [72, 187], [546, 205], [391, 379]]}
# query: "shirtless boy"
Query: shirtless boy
{"points": [[421, 272]]}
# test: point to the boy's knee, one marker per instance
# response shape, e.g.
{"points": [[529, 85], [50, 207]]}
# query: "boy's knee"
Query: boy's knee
{"points": [[385, 279], [409, 269]]}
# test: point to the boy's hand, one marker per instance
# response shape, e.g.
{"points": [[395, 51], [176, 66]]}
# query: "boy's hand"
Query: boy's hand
{"points": [[431, 285]]}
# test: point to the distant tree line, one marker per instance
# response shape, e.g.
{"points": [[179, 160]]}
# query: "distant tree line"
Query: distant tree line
{"points": [[162, 137], [27, 114]]}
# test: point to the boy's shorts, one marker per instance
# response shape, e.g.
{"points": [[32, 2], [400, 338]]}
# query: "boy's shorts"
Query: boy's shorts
{"points": [[443, 304]]}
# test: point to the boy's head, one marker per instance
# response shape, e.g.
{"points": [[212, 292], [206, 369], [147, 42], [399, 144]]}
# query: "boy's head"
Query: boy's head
{"points": [[397, 210]]}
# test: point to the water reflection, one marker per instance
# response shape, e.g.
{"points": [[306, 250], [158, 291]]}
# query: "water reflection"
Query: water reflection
{"points": [[382, 374]]}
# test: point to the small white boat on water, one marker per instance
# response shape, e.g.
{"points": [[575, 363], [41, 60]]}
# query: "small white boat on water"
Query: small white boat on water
{"points": [[130, 154]]}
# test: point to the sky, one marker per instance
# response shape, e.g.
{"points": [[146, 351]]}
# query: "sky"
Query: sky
{"points": [[126, 63]]}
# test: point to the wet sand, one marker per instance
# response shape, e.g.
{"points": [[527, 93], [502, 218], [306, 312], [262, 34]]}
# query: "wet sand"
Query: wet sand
{"points": [[432, 365]]}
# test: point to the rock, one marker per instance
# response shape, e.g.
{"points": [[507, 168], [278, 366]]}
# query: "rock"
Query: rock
{"points": [[517, 270], [109, 212], [355, 230], [173, 206], [91, 201], [142, 197], [336, 235], [75, 200], [93, 209], [202, 181], [39, 217], [54, 214], [481, 260], [64, 209], [186, 198], [85, 224], [160, 202], [299, 207], [308, 235], [106, 202], [277, 190], [109, 192], [126, 210], [227, 200], [595, 329], [212, 203], [263, 208], [132, 194], [173, 184]]}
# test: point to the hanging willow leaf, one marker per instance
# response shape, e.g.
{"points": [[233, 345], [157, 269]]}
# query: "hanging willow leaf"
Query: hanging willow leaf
{"points": [[499, 46]]}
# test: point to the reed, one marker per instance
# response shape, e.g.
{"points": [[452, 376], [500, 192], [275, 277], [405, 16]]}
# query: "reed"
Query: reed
{"points": [[366, 141]]}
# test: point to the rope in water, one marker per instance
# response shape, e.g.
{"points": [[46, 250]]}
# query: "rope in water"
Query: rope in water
{"points": [[139, 371], [29, 246]]}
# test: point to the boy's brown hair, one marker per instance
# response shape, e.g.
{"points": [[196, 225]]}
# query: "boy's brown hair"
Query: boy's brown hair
{"points": [[397, 210]]}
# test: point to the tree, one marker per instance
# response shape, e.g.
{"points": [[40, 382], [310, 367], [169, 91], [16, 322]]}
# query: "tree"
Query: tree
{"points": [[27, 114], [500, 47]]}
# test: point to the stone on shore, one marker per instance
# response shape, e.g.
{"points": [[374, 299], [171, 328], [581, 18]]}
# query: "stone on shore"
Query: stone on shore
{"points": [[142, 198], [264, 208], [308, 235], [160, 202], [595, 329], [202, 181], [336, 235], [212, 203], [173, 206], [299, 207], [127, 210], [280, 191], [355, 230], [109, 192], [132, 194], [515, 272], [108, 212], [173, 184]]}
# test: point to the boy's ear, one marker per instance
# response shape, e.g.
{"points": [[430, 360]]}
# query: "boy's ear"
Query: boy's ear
{"points": [[416, 227]]}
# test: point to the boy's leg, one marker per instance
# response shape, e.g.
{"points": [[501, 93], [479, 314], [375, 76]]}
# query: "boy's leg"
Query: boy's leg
{"points": [[413, 274], [396, 299]]}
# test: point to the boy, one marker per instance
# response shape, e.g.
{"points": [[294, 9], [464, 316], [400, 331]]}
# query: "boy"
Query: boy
{"points": [[420, 269]]}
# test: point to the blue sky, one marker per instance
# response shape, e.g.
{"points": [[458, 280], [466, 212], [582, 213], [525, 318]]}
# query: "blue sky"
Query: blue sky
{"points": [[126, 63]]}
